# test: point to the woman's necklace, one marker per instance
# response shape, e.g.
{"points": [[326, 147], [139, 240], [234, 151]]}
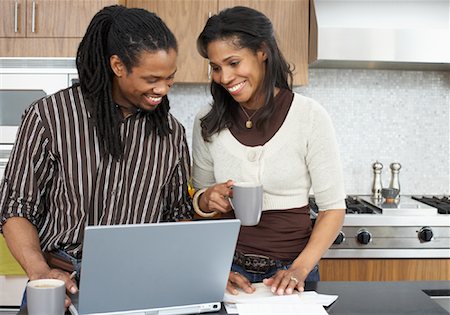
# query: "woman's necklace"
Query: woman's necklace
{"points": [[248, 123]]}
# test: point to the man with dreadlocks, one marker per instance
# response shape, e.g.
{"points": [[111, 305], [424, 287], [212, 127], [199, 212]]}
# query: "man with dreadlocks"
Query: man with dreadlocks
{"points": [[105, 151]]}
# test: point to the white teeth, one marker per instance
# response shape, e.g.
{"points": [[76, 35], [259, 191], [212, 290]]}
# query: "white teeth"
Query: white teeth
{"points": [[154, 99], [236, 87]]}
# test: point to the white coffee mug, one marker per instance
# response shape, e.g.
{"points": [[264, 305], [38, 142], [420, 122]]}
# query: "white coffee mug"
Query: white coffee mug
{"points": [[247, 202], [46, 297]]}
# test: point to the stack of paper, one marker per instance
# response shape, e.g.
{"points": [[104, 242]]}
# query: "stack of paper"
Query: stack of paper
{"points": [[263, 301]]}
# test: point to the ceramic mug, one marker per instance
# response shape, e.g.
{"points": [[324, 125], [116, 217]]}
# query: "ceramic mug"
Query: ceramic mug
{"points": [[247, 202], [46, 297]]}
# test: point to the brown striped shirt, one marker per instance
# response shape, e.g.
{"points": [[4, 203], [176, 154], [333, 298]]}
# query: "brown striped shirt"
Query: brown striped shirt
{"points": [[58, 179]]}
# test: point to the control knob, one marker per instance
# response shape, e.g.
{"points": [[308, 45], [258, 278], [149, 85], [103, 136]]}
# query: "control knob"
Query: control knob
{"points": [[425, 234], [364, 237], [340, 238]]}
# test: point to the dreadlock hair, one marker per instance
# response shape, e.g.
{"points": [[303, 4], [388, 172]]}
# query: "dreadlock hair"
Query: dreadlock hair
{"points": [[245, 28], [125, 32]]}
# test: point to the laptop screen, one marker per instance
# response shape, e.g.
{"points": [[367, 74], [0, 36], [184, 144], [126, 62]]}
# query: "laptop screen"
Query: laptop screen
{"points": [[162, 266]]}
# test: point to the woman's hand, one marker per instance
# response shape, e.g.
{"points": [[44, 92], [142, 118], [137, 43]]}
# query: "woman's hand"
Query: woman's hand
{"points": [[215, 198], [285, 281], [238, 281]]}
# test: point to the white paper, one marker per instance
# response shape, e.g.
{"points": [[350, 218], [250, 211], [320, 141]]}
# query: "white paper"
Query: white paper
{"points": [[231, 308], [278, 309], [262, 292], [273, 300]]}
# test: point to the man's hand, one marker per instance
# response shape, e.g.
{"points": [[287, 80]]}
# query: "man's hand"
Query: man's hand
{"points": [[71, 286]]}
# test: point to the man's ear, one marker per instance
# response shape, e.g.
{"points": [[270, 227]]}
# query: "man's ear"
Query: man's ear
{"points": [[117, 66]]}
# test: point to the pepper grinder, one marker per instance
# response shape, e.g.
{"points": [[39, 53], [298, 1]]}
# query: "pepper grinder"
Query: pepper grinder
{"points": [[395, 182], [377, 185]]}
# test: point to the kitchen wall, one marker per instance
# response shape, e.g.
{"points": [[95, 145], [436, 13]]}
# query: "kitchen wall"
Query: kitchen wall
{"points": [[384, 115]]}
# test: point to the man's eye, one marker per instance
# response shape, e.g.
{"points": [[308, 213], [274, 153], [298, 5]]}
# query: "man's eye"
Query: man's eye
{"points": [[234, 63]]}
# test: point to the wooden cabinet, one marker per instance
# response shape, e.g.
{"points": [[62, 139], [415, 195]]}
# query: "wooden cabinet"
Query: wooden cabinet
{"points": [[186, 18], [406, 269], [290, 19], [12, 22], [54, 28], [45, 28]]}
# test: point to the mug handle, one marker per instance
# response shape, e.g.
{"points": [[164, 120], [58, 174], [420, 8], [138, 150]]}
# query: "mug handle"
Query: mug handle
{"points": [[230, 199], [197, 207]]}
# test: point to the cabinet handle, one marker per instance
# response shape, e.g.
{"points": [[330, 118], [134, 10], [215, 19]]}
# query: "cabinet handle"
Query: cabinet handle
{"points": [[33, 18], [16, 15]]}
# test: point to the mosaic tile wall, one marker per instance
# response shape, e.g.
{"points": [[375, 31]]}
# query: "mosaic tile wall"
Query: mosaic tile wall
{"points": [[384, 115]]}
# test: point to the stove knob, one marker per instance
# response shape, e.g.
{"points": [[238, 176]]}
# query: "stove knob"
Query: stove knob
{"points": [[425, 234], [364, 237], [340, 238]]}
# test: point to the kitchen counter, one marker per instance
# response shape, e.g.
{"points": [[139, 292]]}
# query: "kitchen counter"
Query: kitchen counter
{"points": [[383, 298], [380, 298]]}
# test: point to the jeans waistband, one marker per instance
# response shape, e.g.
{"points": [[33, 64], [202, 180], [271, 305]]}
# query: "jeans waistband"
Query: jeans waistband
{"points": [[61, 260]]}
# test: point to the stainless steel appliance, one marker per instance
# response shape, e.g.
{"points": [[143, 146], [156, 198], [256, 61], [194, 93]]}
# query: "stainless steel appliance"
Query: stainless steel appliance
{"points": [[12, 105], [406, 228]]}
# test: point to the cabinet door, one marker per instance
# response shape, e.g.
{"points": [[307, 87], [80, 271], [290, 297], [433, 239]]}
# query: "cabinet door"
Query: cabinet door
{"points": [[61, 18], [186, 19], [404, 269], [12, 18], [290, 19]]}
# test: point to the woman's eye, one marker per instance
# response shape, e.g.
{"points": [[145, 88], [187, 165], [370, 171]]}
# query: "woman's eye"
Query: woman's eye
{"points": [[234, 63]]}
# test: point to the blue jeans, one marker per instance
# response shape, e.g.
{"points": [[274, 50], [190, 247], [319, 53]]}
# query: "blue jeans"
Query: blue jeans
{"points": [[258, 277]]}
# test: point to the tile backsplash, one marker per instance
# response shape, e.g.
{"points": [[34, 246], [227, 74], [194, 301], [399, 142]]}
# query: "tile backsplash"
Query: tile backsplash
{"points": [[379, 115]]}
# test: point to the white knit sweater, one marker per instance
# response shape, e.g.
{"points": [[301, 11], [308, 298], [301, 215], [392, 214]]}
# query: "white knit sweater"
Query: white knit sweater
{"points": [[302, 154]]}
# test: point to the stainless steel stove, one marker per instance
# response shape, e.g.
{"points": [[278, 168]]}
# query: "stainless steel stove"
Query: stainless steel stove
{"points": [[409, 227]]}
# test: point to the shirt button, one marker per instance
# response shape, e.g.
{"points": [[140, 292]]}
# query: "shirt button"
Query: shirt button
{"points": [[251, 156]]}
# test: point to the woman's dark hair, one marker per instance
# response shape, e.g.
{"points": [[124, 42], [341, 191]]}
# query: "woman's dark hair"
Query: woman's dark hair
{"points": [[125, 32], [245, 28]]}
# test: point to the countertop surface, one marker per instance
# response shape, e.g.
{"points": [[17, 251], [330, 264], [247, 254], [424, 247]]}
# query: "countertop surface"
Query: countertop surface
{"points": [[379, 298]]}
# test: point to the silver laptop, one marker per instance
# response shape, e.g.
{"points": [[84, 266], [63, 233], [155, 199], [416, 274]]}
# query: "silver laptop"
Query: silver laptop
{"points": [[162, 268]]}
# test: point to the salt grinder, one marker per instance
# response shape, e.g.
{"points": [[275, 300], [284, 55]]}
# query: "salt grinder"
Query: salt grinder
{"points": [[377, 185], [395, 182]]}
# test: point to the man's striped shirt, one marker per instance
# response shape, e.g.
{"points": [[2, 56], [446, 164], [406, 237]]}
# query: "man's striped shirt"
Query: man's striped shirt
{"points": [[58, 178]]}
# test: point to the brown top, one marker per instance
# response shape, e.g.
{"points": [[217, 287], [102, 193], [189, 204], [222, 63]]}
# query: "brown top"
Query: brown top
{"points": [[58, 179], [281, 234]]}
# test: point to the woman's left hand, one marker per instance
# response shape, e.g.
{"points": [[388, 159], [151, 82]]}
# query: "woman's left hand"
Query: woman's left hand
{"points": [[285, 281]]}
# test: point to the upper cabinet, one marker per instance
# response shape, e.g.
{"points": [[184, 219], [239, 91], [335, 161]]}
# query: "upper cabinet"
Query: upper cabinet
{"points": [[186, 18], [51, 28], [290, 19], [54, 28], [12, 22]]}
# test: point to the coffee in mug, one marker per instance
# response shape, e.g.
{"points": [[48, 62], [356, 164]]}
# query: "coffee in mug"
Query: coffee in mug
{"points": [[46, 297], [247, 202]]}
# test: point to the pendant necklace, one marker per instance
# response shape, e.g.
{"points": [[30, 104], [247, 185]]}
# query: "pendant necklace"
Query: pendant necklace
{"points": [[248, 123]]}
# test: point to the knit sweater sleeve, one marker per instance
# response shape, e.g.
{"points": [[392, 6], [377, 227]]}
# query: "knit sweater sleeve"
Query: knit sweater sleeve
{"points": [[203, 166], [323, 161]]}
